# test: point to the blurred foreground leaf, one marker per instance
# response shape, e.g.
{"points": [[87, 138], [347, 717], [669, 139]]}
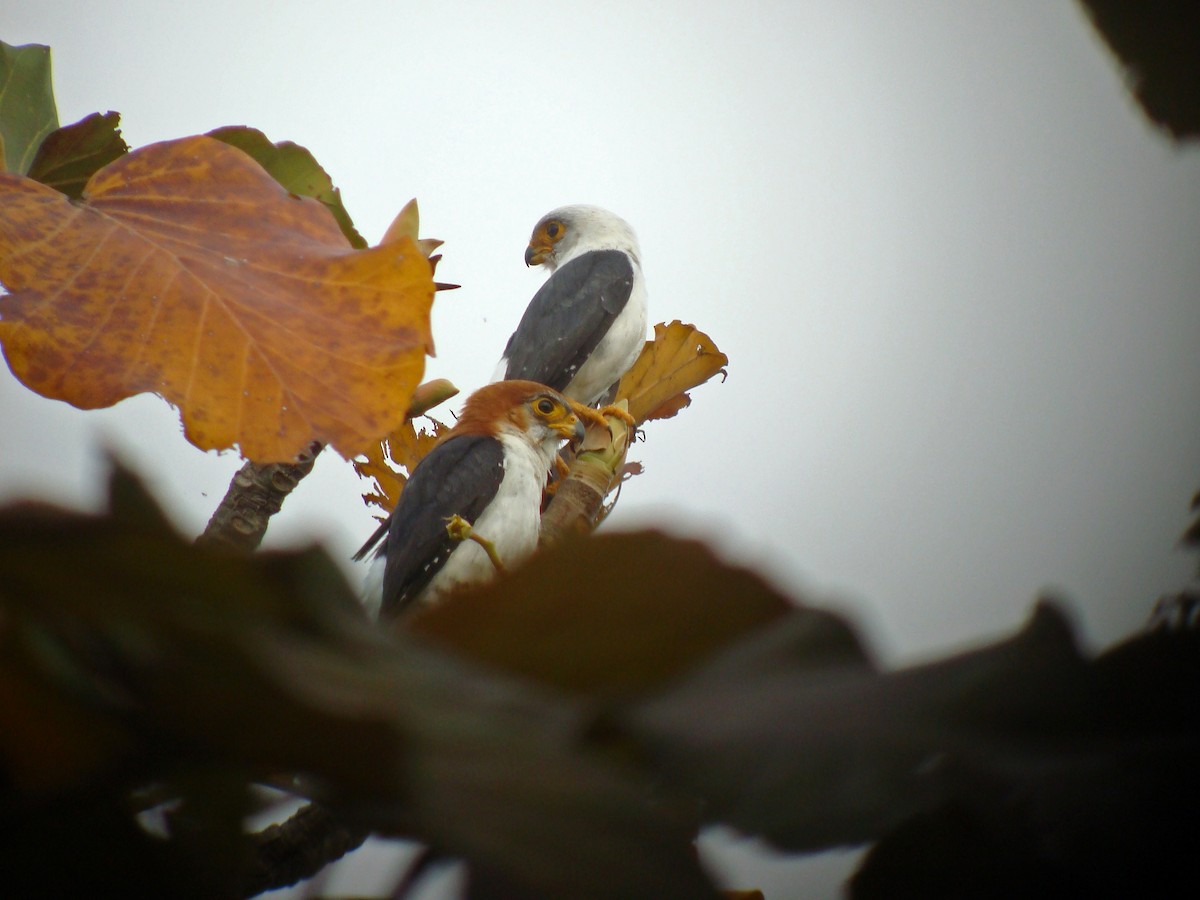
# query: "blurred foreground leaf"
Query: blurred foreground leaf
{"points": [[1158, 44], [1102, 805], [165, 662], [617, 614], [1014, 770], [658, 688]]}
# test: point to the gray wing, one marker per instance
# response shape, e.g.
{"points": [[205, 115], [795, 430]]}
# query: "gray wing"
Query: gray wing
{"points": [[568, 317], [460, 476]]}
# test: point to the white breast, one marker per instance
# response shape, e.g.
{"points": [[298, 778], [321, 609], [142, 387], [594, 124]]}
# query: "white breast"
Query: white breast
{"points": [[512, 522]]}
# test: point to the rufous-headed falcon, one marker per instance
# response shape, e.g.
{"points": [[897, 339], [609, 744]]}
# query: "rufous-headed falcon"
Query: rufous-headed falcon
{"points": [[489, 469]]}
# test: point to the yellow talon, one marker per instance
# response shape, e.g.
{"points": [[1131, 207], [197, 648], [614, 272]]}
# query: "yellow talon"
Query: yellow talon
{"points": [[459, 529], [619, 412]]}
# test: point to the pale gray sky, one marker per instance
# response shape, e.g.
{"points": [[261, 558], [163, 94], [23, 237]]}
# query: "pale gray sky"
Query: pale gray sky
{"points": [[955, 271]]}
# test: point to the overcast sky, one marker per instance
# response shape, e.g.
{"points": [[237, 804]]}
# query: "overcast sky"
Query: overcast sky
{"points": [[955, 271]]}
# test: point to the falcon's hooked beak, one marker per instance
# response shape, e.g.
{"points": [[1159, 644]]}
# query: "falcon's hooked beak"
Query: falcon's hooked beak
{"points": [[538, 251], [571, 428]]}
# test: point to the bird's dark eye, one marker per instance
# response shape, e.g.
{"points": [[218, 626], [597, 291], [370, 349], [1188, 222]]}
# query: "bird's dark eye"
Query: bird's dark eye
{"points": [[545, 407], [553, 229]]}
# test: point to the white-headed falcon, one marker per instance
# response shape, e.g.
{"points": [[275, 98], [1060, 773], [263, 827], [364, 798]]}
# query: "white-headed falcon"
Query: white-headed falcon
{"points": [[586, 325], [490, 469]]}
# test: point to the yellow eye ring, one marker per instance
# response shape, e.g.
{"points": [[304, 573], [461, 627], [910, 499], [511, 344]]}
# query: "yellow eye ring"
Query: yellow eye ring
{"points": [[552, 230], [545, 406]]}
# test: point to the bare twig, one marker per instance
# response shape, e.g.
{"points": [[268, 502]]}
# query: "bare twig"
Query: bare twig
{"points": [[257, 491]]}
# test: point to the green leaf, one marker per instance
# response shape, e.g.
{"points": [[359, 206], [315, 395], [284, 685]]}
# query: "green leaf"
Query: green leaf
{"points": [[295, 168], [70, 156], [27, 111]]}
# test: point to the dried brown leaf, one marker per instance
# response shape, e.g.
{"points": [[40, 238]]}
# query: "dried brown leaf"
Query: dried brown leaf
{"points": [[679, 358], [391, 461]]}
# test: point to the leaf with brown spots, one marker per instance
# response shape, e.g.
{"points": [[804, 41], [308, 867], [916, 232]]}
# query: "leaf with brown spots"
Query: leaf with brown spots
{"points": [[679, 358], [189, 272]]}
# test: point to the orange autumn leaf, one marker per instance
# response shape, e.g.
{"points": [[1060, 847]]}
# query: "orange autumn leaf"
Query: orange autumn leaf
{"points": [[387, 482], [679, 358], [671, 407], [387, 462], [189, 272], [408, 446]]}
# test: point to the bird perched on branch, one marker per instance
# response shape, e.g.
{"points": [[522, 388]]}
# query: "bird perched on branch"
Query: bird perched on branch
{"points": [[586, 325], [488, 470]]}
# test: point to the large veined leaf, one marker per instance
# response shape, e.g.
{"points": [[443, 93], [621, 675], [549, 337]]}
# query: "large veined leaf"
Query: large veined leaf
{"points": [[189, 272]]}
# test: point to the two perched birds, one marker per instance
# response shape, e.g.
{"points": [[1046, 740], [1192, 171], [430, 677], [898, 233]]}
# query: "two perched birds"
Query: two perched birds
{"points": [[580, 333]]}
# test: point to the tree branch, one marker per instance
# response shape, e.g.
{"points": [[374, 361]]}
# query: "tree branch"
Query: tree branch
{"points": [[255, 494], [578, 502], [298, 848]]}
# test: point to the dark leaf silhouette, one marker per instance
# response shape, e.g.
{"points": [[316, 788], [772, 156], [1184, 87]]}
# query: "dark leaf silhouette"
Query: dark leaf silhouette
{"points": [[163, 657], [617, 614], [1158, 44], [1018, 767], [71, 155]]}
